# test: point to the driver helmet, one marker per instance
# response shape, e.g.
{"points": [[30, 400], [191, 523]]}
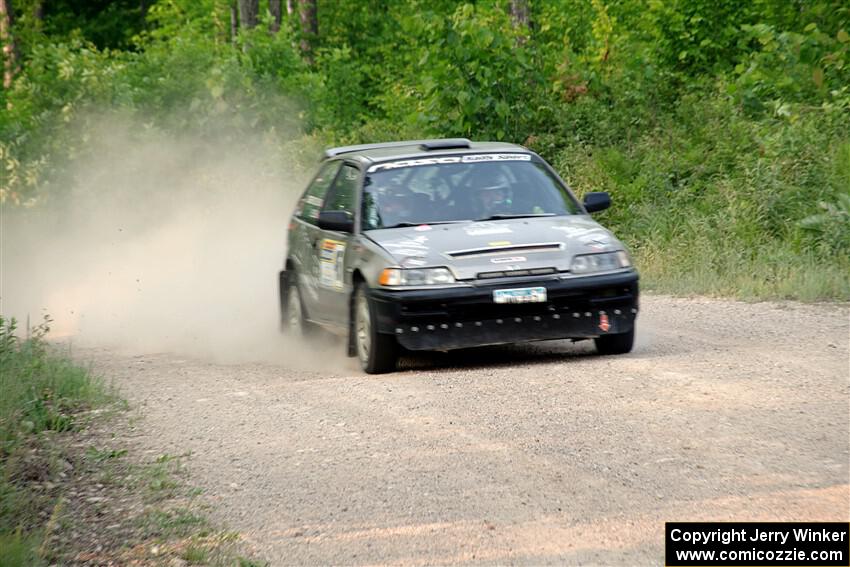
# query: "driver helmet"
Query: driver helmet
{"points": [[396, 202], [492, 191]]}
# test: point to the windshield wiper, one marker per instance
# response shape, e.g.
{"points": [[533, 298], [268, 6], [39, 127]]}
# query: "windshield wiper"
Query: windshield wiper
{"points": [[408, 224], [500, 216]]}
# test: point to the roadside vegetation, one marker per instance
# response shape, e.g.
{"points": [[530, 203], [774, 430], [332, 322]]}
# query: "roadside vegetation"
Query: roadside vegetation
{"points": [[71, 492], [42, 395], [721, 130]]}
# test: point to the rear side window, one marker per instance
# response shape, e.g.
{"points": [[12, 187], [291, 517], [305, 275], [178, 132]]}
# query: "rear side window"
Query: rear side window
{"points": [[314, 197], [343, 195]]}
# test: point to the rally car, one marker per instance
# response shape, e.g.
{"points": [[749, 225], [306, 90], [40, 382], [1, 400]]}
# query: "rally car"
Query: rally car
{"points": [[447, 244]]}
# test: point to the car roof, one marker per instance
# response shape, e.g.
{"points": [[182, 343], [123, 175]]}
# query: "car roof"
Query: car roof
{"points": [[369, 153]]}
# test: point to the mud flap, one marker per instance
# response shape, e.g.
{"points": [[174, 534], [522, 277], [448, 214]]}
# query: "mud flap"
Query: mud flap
{"points": [[282, 283], [351, 347]]}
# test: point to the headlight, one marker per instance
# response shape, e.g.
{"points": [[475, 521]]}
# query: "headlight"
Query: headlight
{"points": [[589, 263], [417, 277]]}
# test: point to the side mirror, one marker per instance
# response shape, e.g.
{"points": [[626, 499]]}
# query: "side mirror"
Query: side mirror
{"points": [[597, 201], [339, 221]]}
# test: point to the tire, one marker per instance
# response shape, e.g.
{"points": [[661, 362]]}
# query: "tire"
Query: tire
{"points": [[620, 343], [293, 323], [377, 352]]}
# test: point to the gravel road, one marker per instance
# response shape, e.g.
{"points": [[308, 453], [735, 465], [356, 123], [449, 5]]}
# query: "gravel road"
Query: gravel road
{"points": [[534, 454]]}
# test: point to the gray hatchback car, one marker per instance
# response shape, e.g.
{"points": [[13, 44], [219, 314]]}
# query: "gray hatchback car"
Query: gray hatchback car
{"points": [[447, 244]]}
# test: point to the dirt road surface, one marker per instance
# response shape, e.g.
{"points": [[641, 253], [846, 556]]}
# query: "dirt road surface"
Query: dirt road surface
{"points": [[535, 454]]}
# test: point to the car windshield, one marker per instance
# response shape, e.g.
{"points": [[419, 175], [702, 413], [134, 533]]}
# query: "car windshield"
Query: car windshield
{"points": [[447, 189]]}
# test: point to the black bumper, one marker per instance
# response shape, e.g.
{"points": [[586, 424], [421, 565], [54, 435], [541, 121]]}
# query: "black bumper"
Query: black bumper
{"points": [[451, 318]]}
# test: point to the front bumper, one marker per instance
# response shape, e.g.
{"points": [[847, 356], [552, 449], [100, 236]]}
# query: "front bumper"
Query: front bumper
{"points": [[451, 318]]}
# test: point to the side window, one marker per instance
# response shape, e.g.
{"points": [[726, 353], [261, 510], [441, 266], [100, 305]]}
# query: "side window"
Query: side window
{"points": [[344, 193], [314, 197]]}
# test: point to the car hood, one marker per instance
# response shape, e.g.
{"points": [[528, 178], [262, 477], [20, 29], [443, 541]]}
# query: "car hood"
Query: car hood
{"points": [[509, 245]]}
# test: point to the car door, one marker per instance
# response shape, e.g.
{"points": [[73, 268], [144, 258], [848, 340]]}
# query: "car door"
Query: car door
{"points": [[334, 287], [305, 236]]}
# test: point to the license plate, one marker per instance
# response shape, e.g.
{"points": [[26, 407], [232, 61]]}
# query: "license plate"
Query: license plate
{"points": [[520, 295]]}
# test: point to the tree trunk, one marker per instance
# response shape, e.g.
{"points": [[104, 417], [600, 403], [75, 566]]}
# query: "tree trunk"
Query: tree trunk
{"points": [[7, 43], [309, 28], [38, 10], [520, 18], [234, 23], [277, 15], [248, 11], [289, 7]]}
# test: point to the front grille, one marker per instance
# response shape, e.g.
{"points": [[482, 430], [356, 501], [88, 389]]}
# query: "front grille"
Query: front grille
{"points": [[512, 273]]}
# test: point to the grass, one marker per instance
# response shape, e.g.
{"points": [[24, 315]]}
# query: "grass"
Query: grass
{"points": [[101, 455], [196, 554], [18, 549], [773, 274], [64, 495], [42, 393], [160, 477], [177, 522]]}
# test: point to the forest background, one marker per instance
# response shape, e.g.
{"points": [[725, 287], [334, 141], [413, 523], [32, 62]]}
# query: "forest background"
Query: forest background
{"points": [[721, 128]]}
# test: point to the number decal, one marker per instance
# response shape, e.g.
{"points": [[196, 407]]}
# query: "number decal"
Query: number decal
{"points": [[330, 264]]}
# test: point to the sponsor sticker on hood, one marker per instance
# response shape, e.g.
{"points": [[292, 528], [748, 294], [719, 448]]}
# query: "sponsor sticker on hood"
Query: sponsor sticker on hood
{"points": [[485, 228], [598, 244], [509, 259]]}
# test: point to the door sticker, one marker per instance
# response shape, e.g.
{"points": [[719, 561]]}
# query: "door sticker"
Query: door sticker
{"points": [[330, 264]]}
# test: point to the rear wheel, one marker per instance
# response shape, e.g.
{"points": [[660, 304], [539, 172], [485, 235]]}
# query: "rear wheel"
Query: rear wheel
{"points": [[377, 352], [621, 343]]}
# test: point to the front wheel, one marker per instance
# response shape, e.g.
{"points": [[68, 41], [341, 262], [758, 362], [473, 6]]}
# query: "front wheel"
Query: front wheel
{"points": [[377, 352], [621, 343], [294, 324]]}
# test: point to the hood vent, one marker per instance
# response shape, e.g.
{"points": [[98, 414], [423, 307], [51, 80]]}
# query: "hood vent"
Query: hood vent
{"points": [[544, 247]]}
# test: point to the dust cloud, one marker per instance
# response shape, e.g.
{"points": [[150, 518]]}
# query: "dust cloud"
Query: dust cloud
{"points": [[158, 243]]}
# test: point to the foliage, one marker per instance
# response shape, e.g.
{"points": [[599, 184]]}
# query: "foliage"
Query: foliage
{"points": [[832, 226], [712, 200], [697, 36], [474, 77], [789, 67], [105, 23]]}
